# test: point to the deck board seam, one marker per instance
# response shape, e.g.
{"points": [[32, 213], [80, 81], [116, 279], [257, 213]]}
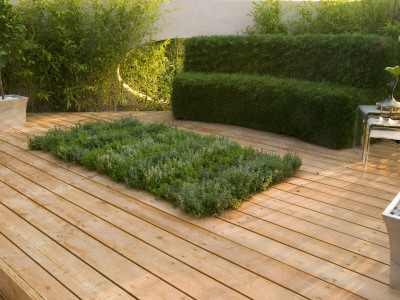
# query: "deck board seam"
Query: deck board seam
{"points": [[254, 200], [316, 224], [378, 217], [316, 256]]}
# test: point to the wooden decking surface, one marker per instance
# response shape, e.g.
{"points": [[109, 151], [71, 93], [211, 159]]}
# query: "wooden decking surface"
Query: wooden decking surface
{"points": [[70, 233]]}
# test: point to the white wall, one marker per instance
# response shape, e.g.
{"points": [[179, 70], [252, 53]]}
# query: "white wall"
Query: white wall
{"points": [[209, 17], [205, 17]]}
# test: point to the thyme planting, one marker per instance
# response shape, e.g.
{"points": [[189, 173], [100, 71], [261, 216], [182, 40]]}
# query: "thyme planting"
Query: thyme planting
{"points": [[203, 175]]}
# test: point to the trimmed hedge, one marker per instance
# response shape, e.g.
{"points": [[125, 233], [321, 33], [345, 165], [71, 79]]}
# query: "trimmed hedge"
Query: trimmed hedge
{"points": [[355, 60], [308, 86], [349, 59], [317, 112]]}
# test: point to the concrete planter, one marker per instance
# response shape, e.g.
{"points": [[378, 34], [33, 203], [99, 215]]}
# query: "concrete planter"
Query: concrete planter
{"points": [[391, 216], [13, 111]]}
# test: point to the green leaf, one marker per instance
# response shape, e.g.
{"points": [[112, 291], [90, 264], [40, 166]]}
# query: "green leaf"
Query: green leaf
{"points": [[3, 61], [394, 70]]}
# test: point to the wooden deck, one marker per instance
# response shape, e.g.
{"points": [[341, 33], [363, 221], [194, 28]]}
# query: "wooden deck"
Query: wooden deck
{"points": [[70, 233]]}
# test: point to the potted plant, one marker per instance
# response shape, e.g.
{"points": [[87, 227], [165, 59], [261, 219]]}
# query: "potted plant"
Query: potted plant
{"points": [[391, 216], [12, 42], [390, 108]]}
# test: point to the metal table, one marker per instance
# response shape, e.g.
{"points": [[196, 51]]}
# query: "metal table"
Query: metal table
{"points": [[367, 120]]}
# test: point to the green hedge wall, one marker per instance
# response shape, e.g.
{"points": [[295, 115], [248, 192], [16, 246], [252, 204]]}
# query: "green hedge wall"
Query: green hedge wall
{"points": [[349, 59], [321, 113]]}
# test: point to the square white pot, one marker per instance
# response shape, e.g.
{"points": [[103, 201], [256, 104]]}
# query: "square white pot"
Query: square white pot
{"points": [[393, 227], [13, 111]]}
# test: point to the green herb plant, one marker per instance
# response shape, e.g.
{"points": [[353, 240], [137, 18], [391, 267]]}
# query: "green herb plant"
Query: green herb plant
{"points": [[203, 175]]}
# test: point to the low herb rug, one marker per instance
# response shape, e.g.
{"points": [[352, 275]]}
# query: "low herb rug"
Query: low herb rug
{"points": [[204, 175]]}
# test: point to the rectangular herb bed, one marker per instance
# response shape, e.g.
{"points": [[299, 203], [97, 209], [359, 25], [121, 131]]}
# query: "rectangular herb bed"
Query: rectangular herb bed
{"points": [[203, 175]]}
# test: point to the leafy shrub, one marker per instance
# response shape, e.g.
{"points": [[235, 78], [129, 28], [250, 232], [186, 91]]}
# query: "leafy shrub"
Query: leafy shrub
{"points": [[77, 46], [355, 60], [204, 175], [12, 38], [379, 17], [149, 69], [318, 112], [267, 15]]}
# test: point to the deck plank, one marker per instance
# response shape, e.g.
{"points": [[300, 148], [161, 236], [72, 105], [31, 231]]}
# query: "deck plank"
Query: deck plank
{"points": [[325, 195], [322, 219], [330, 252], [319, 234], [330, 208], [66, 268], [34, 275]]}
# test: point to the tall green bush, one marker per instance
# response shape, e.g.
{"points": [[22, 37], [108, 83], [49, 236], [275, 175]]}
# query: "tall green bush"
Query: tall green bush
{"points": [[12, 38], [77, 48], [267, 15], [380, 17]]}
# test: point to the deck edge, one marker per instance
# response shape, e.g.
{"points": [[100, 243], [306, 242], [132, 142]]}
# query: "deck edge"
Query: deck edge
{"points": [[12, 286]]}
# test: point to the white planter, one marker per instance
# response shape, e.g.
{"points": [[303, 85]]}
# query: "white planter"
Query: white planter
{"points": [[13, 111], [392, 222]]}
